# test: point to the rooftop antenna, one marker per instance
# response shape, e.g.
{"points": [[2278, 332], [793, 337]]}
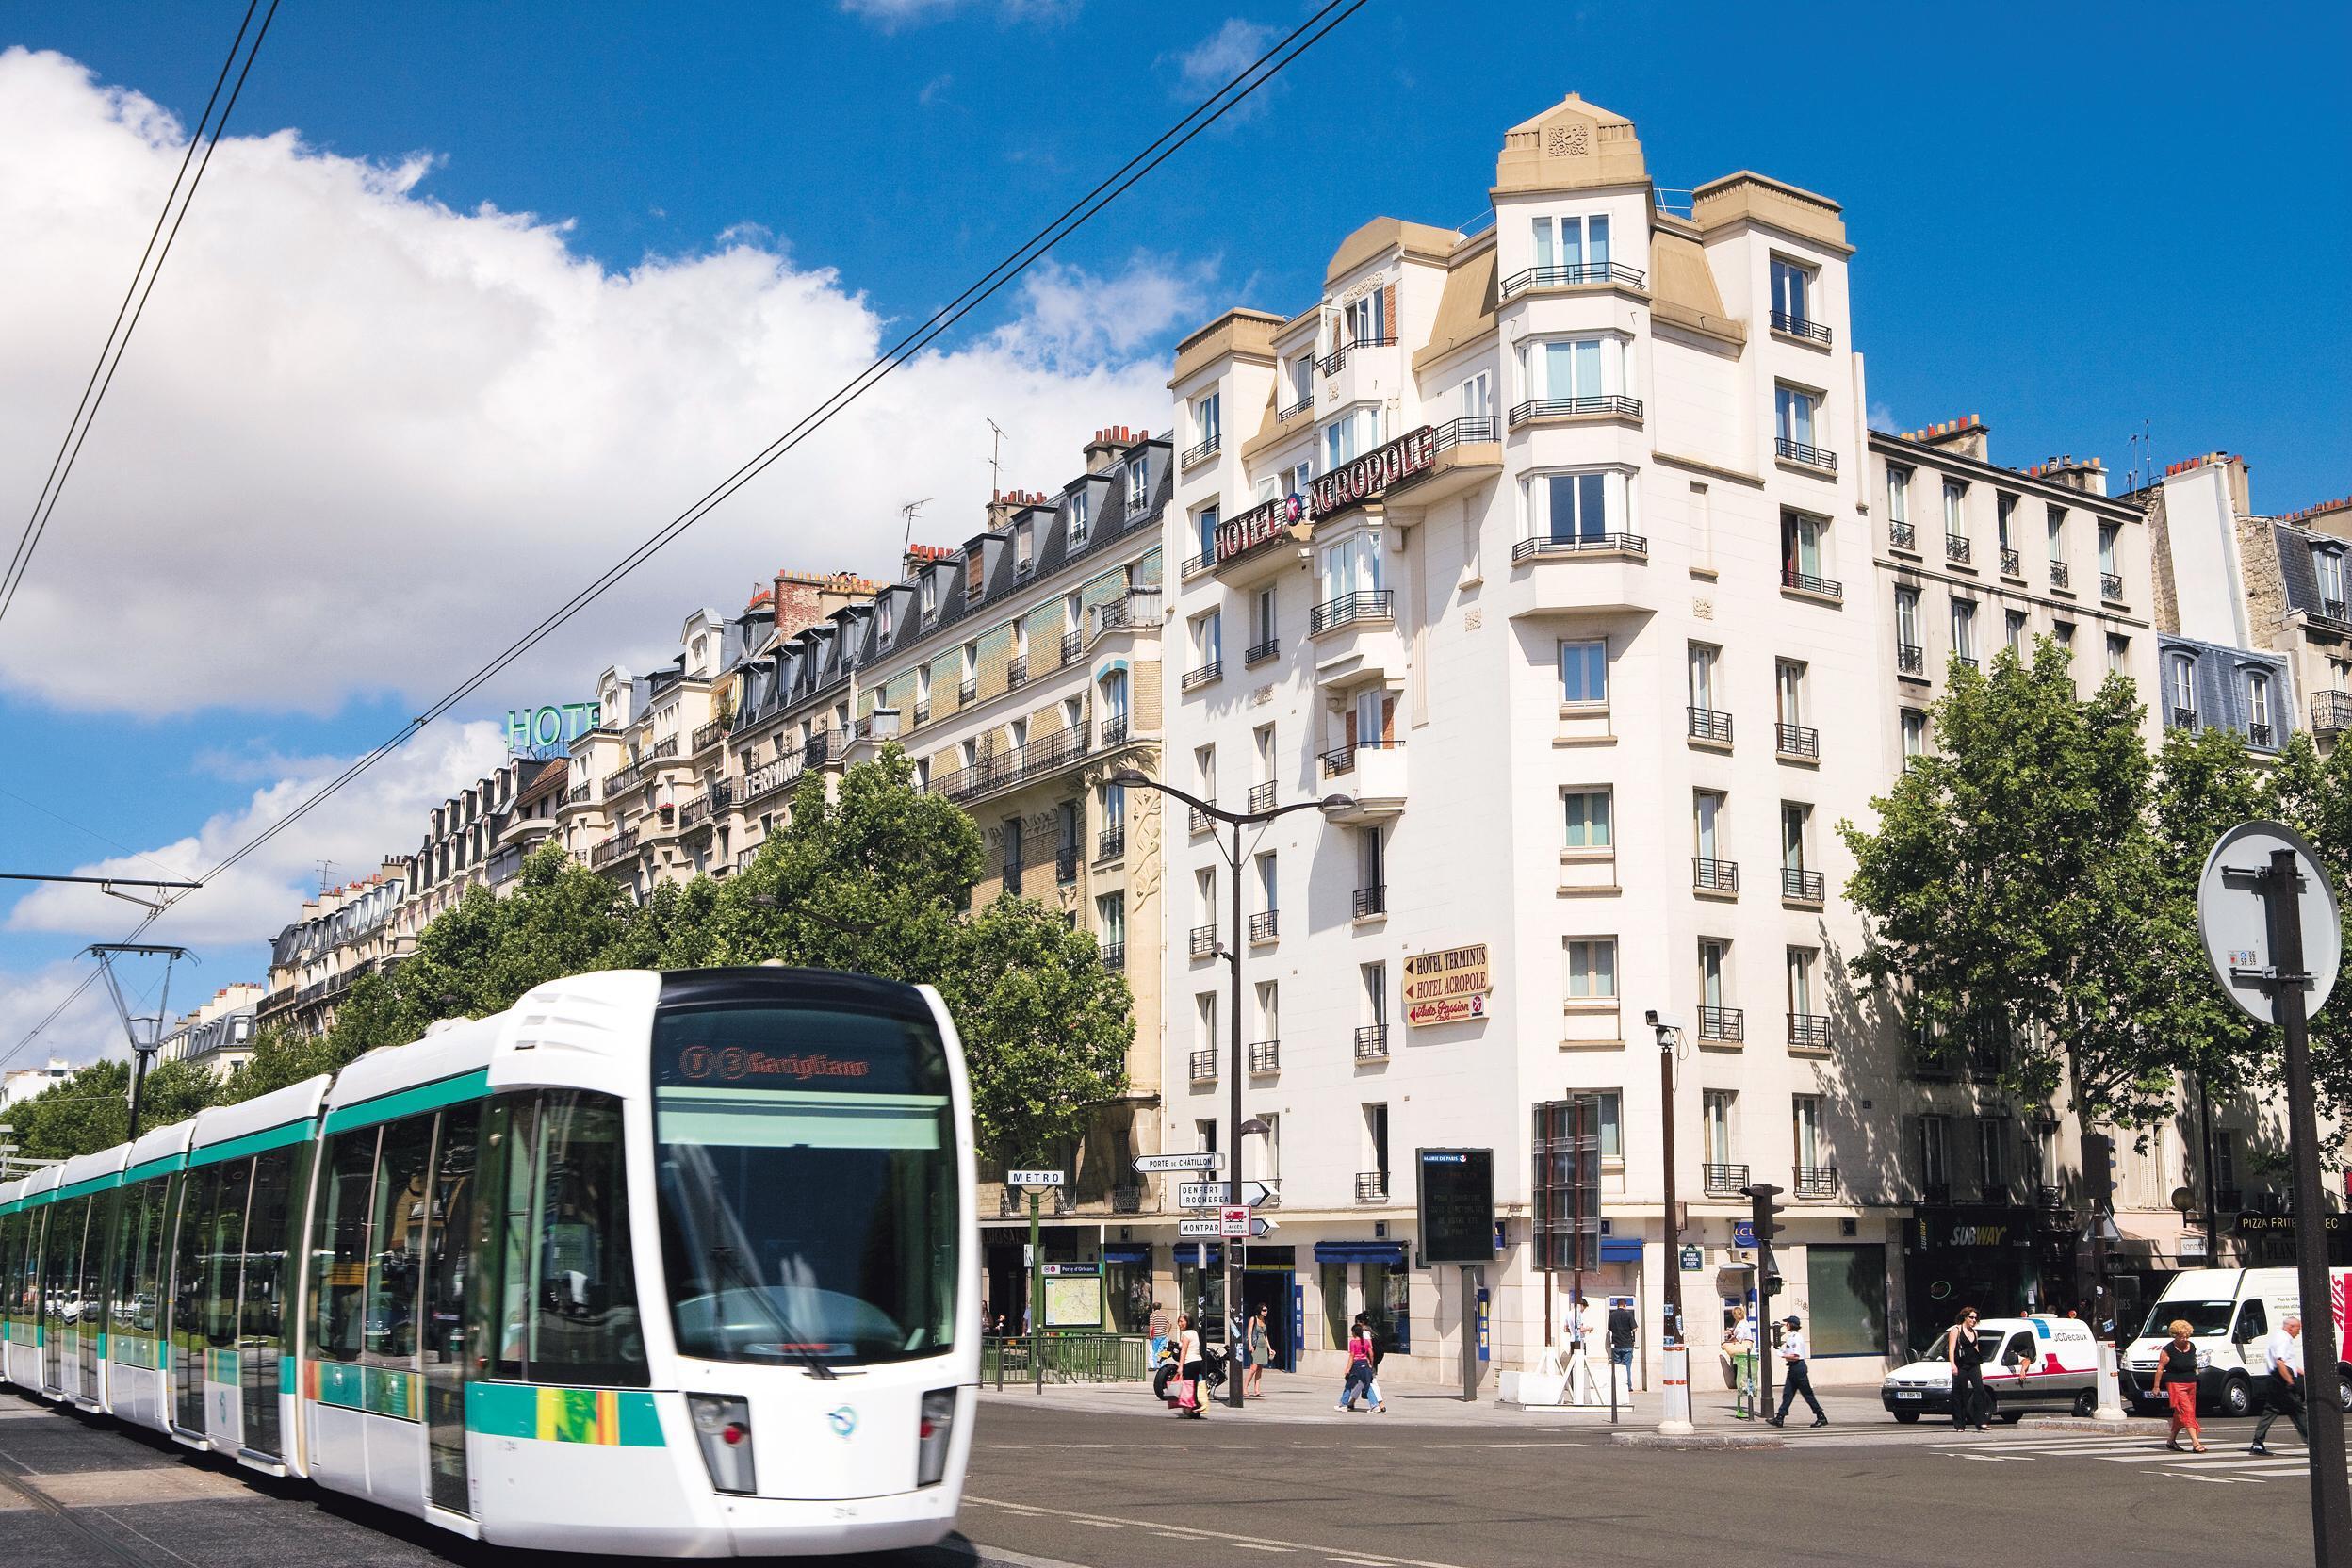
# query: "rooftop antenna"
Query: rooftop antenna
{"points": [[324, 867], [996, 439], [908, 512]]}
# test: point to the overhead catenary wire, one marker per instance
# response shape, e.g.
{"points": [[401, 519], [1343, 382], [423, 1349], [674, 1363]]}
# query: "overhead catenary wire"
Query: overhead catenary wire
{"points": [[126, 315], [1214, 107]]}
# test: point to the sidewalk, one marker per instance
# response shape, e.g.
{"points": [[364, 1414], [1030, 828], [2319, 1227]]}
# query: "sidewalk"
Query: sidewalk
{"points": [[1309, 1401]]}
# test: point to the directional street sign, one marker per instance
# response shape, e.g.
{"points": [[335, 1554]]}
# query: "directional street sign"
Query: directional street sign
{"points": [[1256, 1195], [2233, 918], [1033, 1181], [1209, 1229], [1152, 1165], [1200, 1195]]}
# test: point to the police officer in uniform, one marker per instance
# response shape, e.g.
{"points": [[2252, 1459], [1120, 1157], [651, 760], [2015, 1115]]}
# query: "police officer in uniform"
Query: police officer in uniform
{"points": [[1793, 1362]]}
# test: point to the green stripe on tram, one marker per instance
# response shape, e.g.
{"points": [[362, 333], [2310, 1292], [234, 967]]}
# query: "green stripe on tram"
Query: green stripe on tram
{"points": [[167, 1164], [250, 1144], [424, 1097]]}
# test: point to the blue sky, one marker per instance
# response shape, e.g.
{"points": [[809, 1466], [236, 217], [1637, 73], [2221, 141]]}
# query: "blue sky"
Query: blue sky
{"points": [[2069, 220]]}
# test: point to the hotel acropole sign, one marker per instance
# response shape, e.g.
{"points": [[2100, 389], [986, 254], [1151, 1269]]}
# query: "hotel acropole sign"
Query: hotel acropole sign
{"points": [[546, 731], [1267, 520], [1448, 985], [1376, 472]]}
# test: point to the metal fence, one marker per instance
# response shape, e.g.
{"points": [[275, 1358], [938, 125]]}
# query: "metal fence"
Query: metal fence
{"points": [[1067, 1358]]}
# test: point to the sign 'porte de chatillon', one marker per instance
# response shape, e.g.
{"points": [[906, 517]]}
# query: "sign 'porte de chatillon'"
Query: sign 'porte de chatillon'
{"points": [[1353, 483]]}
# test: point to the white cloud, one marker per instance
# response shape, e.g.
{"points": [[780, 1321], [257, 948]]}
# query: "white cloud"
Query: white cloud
{"points": [[1217, 60], [88, 1029], [360, 438], [890, 15], [382, 813], [1882, 417]]}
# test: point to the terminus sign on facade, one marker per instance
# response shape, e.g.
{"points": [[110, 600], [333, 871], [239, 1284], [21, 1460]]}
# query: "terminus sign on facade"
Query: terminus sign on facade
{"points": [[1351, 484]]}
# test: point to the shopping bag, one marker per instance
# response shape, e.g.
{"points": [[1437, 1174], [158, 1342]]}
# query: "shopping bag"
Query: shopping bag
{"points": [[1187, 1394]]}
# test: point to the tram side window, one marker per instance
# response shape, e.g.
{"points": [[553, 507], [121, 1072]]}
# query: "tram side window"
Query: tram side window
{"points": [[12, 1242], [396, 1254], [338, 1278], [265, 1287], [224, 1253], [61, 1261], [197, 1191], [105, 1210], [130, 1229], [449, 1269], [569, 1293], [147, 1289]]}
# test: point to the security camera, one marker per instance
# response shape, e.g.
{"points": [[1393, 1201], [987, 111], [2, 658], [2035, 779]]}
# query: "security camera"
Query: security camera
{"points": [[1655, 1022]]}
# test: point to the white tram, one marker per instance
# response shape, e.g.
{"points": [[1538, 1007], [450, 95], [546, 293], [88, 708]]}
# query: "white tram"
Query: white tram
{"points": [[676, 1264]]}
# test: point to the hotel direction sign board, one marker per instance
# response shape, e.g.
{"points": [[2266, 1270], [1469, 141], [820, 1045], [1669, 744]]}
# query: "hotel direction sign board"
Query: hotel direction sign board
{"points": [[1448, 985], [1353, 483]]}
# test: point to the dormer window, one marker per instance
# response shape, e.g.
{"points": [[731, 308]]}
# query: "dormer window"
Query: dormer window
{"points": [[1078, 516], [2258, 708], [1138, 486], [2327, 571], [885, 616], [1022, 561], [2180, 685], [930, 593]]}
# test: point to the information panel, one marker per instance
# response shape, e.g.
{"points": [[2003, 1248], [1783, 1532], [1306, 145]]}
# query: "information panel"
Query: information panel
{"points": [[1456, 1202]]}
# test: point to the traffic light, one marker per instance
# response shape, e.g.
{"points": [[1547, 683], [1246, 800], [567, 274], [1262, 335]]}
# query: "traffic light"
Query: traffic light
{"points": [[1765, 1214]]}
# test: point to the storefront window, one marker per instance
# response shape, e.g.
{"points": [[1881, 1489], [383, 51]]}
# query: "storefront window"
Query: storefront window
{"points": [[1335, 1312], [1384, 1287], [1848, 1291], [1201, 1293], [1127, 1295]]}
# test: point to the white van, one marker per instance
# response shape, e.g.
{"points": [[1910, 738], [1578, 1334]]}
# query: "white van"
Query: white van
{"points": [[2231, 1313], [2031, 1363]]}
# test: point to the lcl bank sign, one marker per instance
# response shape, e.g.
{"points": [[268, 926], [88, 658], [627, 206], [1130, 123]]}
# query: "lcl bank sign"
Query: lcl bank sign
{"points": [[1352, 484]]}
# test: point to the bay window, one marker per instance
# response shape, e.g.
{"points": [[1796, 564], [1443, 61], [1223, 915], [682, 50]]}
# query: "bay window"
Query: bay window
{"points": [[1576, 508], [1351, 567], [1560, 370], [1574, 241], [1350, 435]]}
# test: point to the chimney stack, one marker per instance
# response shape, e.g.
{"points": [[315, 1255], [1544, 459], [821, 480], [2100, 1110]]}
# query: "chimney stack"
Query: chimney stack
{"points": [[1970, 436], [2088, 475], [920, 556], [1002, 504], [1110, 444]]}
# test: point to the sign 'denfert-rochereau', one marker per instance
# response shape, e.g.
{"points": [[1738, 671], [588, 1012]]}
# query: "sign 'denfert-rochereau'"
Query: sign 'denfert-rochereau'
{"points": [[1447, 985]]}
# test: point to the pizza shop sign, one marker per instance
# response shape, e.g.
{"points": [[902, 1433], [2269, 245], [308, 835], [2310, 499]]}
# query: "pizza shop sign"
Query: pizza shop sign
{"points": [[1449, 986]]}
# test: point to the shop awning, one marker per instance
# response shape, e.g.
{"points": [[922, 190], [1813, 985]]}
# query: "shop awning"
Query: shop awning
{"points": [[1359, 1252], [1126, 1251], [1621, 1248]]}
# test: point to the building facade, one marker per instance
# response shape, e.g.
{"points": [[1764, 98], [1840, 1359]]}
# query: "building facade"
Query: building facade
{"points": [[218, 1035], [344, 932]]}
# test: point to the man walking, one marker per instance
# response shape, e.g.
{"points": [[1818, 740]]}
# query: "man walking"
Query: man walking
{"points": [[1620, 1327], [1792, 1369], [2283, 1354]]}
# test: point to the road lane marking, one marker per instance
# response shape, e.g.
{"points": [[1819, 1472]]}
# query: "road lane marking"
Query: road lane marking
{"points": [[1375, 1559]]}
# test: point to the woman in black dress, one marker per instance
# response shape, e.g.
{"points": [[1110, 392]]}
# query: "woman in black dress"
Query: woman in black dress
{"points": [[1966, 1354]]}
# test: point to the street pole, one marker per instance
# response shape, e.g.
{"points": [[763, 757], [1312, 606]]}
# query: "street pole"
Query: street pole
{"points": [[2212, 1221], [1232, 1244], [1668, 1227], [1037, 1300], [2331, 1505]]}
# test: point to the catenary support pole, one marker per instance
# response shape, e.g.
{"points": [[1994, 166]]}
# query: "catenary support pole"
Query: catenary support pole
{"points": [[1036, 1299], [2331, 1505], [1233, 1171]]}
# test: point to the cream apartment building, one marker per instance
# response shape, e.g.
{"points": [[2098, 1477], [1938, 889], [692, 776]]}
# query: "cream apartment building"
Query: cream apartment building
{"points": [[1547, 545]]}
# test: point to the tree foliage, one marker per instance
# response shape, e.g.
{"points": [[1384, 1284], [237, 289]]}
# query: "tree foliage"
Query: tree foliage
{"points": [[877, 879]]}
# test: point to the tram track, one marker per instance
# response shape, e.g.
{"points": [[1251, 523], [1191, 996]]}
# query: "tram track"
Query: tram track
{"points": [[13, 1473]]}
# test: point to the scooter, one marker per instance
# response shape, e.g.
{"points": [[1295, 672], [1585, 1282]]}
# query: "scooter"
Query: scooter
{"points": [[1212, 1373]]}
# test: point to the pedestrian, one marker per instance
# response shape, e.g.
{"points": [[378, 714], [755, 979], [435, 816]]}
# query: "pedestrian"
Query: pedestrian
{"points": [[2283, 1354], [1796, 1380], [1965, 1352], [1621, 1328], [1261, 1351], [2175, 1378], [1359, 1364], [1157, 1327], [1188, 1400], [1572, 1327]]}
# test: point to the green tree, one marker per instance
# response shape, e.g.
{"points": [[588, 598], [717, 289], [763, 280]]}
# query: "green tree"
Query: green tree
{"points": [[2205, 782], [2313, 795], [2012, 889], [91, 1110], [282, 1057]]}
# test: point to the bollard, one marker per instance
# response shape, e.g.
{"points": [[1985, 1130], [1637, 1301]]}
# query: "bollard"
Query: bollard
{"points": [[1675, 1382], [2110, 1385]]}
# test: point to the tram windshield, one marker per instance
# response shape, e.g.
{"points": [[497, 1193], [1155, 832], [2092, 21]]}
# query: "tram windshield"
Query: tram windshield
{"points": [[807, 1179]]}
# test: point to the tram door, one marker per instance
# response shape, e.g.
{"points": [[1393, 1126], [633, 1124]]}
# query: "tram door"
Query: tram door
{"points": [[60, 1288], [452, 1244], [98, 1232], [197, 1192], [225, 1258], [261, 1315], [41, 1277]]}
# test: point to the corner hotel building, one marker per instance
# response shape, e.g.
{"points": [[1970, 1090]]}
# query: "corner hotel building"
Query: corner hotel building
{"points": [[1574, 602]]}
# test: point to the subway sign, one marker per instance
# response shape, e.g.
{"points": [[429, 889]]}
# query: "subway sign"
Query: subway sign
{"points": [[1374, 474], [549, 729]]}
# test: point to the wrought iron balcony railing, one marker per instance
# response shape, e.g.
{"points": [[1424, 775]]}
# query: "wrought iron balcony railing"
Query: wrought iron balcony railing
{"points": [[966, 693], [1115, 731], [1816, 1180], [1470, 429], [1798, 883], [1264, 925], [1115, 955], [1202, 1065], [2058, 574], [1797, 451], [1016, 673], [1957, 547], [2110, 587], [2011, 562], [1911, 659], [1829, 588], [1372, 900], [1796, 740], [1304, 405], [1204, 942], [1072, 645], [709, 735], [1811, 1030], [1330, 364], [1619, 544], [1902, 536], [1203, 449], [1372, 1042], [1258, 653], [2257, 734], [1200, 675], [1369, 604], [1261, 797], [2331, 712], [1570, 275], [2182, 718], [1716, 876], [1371, 1186], [1198, 820], [1111, 843], [1193, 565], [1266, 1055], [1723, 1024], [1568, 408], [1710, 724], [1724, 1180], [1797, 326], [1066, 863]]}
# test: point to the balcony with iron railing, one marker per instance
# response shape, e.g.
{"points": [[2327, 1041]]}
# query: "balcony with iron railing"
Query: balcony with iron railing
{"points": [[1797, 739], [1265, 1056], [1260, 796], [1808, 1031], [1902, 536], [1371, 1186], [1265, 925], [1202, 1067], [1711, 725], [1127, 1196], [1582, 544], [2059, 575], [1607, 407], [1008, 769], [1193, 565], [1470, 429], [1201, 450], [2258, 735], [1139, 609], [1797, 326], [1911, 659], [1815, 1181], [2180, 718], [1714, 876], [1111, 843], [2110, 587], [1338, 760], [581, 793], [1115, 955], [1723, 1024], [621, 780], [1258, 653], [922, 715], [966, 693], [2331, 712], [1806, 582], [1368, 604], [1957, 547], [1065, 864], [1798, 451], [1072, 645], [1332, 363], [1801, 886], [1203, 941], [709, 735], [1372, 1042], [613, 849], [1115, 731], [1371, 901], [2011, 562], [1571, 275], [1724, 1180], [1201, 674], [1016, 673], [1304, 405]]}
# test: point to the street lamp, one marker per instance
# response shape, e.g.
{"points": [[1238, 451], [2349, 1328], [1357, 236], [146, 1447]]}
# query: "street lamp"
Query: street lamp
{"points": [[1132, 778]]}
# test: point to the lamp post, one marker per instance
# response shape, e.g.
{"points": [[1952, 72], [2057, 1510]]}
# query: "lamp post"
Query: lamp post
{"points": [[1132, 778]]}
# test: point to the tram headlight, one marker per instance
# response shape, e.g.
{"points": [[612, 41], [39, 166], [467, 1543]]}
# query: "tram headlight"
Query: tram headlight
{"points": [[932, 1437], [723, 1425]]}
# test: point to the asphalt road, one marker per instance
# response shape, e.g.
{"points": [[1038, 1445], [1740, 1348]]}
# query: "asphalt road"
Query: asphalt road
{"points": [[1143, 1490]]}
